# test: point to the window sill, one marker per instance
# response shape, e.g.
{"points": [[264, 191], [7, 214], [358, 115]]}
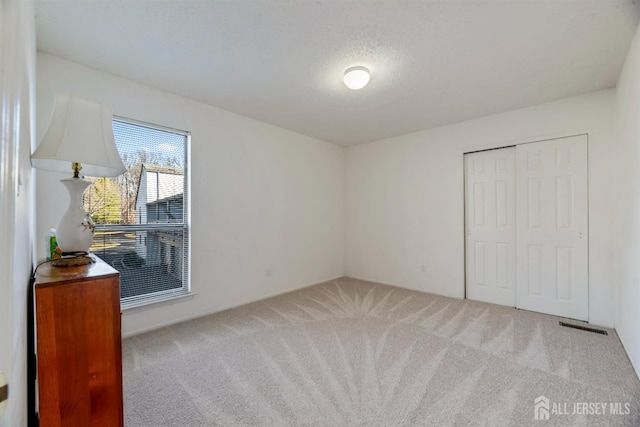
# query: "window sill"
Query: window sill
{"points": [[154, 300]]}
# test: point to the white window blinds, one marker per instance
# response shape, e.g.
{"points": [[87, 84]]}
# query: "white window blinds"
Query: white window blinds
{"points": [[141, 216]]}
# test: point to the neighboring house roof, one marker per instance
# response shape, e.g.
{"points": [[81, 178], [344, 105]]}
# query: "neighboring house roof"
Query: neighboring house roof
{"points": [[174, 206], [156, 169], [177, 196], [163, 169]]}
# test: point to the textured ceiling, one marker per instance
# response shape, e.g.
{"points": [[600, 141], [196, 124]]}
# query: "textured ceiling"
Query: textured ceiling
{"points": [[282, 61]]}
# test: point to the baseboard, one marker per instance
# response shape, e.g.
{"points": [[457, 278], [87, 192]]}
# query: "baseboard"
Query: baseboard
{"points": [[395, 285], [366, 279], [227, 307], [597, 322], [635, 368]]}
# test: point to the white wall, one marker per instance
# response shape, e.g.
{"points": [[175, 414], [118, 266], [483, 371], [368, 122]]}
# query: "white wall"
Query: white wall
{"points": [[405, 204], [628, 203], [17, 77], [262, 197]]}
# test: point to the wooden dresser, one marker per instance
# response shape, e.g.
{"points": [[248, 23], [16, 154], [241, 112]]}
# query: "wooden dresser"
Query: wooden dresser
{"points": [[79, 347]]}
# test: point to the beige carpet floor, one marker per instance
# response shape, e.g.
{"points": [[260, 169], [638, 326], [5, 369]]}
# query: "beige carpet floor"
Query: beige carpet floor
{"points": [[354, 353]]}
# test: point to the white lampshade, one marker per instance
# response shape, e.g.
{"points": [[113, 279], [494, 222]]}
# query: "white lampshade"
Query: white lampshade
{"points": [[356, 77], [79, 131]]}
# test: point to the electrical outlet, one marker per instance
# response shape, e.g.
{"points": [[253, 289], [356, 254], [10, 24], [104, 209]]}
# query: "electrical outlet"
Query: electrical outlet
{"points": [[4, 393], [268, 272], [424, 268]]}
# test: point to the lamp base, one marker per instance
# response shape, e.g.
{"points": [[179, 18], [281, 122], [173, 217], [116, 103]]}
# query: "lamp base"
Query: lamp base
{"points": [[73, 260], [75, 230]]}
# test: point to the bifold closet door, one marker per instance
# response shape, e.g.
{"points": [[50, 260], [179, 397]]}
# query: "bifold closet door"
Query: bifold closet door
{"points": [[526, 215], [552, 271], [490, 226]]}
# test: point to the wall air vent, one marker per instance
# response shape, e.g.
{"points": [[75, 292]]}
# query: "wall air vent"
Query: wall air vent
{"points": [[584, 328]]}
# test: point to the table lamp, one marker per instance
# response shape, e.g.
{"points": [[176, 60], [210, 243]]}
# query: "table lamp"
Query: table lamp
{"points": [[79, 137]]}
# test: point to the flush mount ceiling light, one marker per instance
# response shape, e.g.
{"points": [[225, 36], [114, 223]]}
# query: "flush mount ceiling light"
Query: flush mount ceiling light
{"points": [[356, 77]]}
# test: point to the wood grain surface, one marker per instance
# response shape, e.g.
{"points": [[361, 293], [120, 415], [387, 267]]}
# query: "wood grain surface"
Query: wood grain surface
{"points": [[79, 348]]}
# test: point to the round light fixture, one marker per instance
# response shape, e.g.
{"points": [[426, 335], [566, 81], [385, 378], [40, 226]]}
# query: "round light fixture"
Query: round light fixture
{"points": [[356, 77]]}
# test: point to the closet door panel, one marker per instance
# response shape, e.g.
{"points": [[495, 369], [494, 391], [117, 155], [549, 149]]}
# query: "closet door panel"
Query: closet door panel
{"points": [[490, 226], [552, 227]]}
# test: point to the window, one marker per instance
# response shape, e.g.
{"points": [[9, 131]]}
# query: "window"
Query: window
{"points": [[141, 216]]}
